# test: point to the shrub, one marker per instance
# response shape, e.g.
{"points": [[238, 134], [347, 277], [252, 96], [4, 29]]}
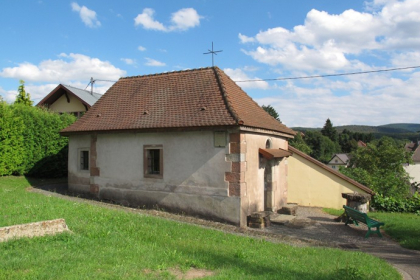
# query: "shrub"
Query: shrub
{"points": [[392, 204], [30, 142]]}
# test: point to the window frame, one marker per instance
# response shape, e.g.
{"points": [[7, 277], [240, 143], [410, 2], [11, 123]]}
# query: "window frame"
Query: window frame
{"points": [[81, 156], [146, 170]]}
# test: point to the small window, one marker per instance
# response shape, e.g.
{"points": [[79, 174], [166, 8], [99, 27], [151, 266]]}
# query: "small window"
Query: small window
{"points": [[84, 160], [268, 144], [334, 167], [153, 161]]}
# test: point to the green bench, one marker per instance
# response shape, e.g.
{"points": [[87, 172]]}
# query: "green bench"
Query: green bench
{"points": [[352, 215]]}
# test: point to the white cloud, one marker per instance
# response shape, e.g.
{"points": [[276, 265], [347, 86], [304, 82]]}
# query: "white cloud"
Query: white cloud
{"points": [[373, 99], [181, 20], [141, 48], [239, 75], [69, 67], [153, 62], [185, 19], [129, 61], [87, 16], [146, 20], [327, 41]]}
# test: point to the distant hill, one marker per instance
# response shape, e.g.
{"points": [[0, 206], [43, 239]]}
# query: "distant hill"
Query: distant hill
{"points": [[414, 127], [397, 130]]}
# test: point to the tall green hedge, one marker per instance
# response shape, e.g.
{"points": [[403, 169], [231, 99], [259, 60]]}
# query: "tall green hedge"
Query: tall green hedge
{"points": [[30, 142]]}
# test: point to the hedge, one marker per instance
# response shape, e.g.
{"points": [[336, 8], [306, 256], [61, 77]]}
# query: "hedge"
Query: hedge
{"points": [[30, 142]]}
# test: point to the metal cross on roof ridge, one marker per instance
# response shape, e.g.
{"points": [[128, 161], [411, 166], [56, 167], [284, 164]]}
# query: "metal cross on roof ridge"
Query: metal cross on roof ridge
{"points": [[213, 53]]}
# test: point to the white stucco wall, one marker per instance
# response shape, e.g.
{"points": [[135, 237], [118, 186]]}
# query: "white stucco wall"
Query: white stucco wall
{"points": [[193, 172], [61, 105], [414, 171], [79, 180]]}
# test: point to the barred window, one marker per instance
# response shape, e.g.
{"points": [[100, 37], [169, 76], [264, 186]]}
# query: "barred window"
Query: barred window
{"points": [[153, 161]]}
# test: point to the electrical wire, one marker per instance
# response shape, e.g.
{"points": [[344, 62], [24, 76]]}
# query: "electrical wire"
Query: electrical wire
{"points": [[329, 75]]}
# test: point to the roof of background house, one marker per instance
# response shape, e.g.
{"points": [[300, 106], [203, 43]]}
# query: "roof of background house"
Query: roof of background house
{"points": [[343, 157], [85, 96], [413, 147], [204, 97], [329, 169], [362, 144]]}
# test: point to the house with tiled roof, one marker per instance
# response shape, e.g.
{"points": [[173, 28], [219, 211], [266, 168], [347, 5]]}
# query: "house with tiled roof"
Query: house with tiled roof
{"points": [[413, 169], [68, 99], [190, 141]]}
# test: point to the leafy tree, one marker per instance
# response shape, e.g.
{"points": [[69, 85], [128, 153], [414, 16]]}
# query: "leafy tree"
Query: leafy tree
{"points": [[23, 97], [380, 167], [329, 131], [322, 147], [300, 144], [269, 109]]}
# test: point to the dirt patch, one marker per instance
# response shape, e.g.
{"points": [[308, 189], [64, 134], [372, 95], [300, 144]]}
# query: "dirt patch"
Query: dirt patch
{"points": [[192, 273], [42, 228]]}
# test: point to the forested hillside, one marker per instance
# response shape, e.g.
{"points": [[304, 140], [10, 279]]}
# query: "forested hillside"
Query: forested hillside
{"points": [[408, 131]]}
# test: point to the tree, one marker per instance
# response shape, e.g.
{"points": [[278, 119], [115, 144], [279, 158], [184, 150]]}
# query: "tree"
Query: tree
{"points": [[322, 147], [380, 167], [298, 143], [23, 97], [329, 131], [269, 109]]}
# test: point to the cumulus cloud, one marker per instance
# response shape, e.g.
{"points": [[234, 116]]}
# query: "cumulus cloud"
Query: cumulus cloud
{"points": [[181, 20], [153, 62], [141, 48], [327, 41], [88, 16], [69, 67]]}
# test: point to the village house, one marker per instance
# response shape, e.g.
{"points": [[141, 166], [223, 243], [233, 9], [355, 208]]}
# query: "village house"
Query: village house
{"points": [[413, 169], [68, 99], [193, 141], [190, 141]]}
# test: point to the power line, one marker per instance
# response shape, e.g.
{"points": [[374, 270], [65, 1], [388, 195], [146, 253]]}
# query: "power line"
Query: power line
{"points": [[329, 75]]}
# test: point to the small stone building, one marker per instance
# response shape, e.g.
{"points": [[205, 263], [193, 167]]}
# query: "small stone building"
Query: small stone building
{"points": [[190, 141]]}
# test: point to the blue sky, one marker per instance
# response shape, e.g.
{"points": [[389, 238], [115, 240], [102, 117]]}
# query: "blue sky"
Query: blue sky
{"points": [[48, 42]]}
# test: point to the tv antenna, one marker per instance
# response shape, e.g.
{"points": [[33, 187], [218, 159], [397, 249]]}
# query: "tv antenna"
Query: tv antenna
{"points": [[92, 81], [213, 53]]}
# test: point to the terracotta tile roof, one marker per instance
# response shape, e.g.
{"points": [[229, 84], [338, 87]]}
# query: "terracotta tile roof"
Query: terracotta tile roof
{"points": [[204, 97], [329, 169]]}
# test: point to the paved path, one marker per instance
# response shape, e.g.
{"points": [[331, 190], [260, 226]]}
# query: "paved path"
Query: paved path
{"points": [[313, 224], [312, 227]]}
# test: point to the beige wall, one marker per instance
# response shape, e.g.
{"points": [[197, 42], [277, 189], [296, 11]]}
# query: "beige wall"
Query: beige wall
{"points": [[414, 171], [61, 105], [254, 175], [311, 185]]}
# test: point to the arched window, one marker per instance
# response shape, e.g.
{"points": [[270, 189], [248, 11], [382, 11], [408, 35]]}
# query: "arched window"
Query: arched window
{"points": [[268, 144]]}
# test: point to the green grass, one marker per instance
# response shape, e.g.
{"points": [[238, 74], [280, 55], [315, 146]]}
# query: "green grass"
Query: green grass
{"points": [[114, 244], [402, 227]]}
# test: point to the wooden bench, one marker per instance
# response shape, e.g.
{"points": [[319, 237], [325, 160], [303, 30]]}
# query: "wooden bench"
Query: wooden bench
{"points": [[356, 217]]}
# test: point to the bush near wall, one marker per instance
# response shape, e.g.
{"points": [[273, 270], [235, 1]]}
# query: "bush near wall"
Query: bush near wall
{"points": [[30, 142]]}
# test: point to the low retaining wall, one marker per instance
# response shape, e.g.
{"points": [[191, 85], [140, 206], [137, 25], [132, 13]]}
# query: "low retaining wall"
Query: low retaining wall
{"points": [[33, 229]]}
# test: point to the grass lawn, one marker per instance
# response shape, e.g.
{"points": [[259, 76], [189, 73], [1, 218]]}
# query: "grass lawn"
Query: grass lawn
{"points": [[114, 244], [402, 227]]}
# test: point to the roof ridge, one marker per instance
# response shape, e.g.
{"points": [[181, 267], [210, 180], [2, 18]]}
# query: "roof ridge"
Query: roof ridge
{"points": [[225, 96], [165, 73]]}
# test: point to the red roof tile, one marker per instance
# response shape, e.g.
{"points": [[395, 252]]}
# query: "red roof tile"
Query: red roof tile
{"points": [[204, 97]]}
